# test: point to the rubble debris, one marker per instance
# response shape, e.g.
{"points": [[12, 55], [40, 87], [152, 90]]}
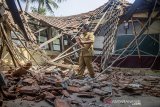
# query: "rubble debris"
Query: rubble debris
{"points": [[29, 80], [85, 88], [73, 89], [48, 95], [40, 97], [86, 95], [65, 93], [61, 103], [75, 102], [9, 95], [57, 86], [37, 76], [75, 67], [100, 92], [22, 70], [38, 86], [45, 87], [31, 90], [132, 91], [29, 98], [11, 89], [101, 84]]}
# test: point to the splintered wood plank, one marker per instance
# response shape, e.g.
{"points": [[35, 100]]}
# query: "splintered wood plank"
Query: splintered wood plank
{"points": [[75, 67]]}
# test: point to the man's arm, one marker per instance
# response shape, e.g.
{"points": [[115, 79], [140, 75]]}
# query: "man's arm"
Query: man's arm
{"points": [[79, 42], [90, 40], [86, 42]]}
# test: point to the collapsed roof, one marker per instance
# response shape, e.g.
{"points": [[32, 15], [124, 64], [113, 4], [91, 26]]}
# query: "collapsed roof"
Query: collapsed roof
{"points": [[72, 22]]}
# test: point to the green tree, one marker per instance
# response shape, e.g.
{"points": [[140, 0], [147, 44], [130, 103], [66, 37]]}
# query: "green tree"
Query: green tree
{"points": [[41, 10], [43, 5]]}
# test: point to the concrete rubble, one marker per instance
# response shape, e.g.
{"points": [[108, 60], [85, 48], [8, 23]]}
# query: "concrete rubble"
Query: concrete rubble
{"points": [[65, 91]]}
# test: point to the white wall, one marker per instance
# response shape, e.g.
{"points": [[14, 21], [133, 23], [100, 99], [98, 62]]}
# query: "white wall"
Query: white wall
{"points": [[98, 43]]}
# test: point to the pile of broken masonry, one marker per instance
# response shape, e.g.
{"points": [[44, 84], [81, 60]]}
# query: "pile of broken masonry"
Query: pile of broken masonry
{"points": [[59, 87]]}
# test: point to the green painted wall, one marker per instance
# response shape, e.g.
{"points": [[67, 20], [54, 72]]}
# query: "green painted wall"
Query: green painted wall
{"points": [[149, 46]]}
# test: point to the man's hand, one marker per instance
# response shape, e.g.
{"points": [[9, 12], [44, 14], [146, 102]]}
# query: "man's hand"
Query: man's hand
{"points": [[78, 40]]}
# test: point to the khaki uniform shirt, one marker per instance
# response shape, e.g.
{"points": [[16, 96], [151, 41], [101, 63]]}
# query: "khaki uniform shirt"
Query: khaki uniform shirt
{"points": [[88, 48]]}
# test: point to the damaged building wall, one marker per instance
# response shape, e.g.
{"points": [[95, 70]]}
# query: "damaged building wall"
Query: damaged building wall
{"points": [[7, 62], [148, 46], [6, 59], [146, 13], [144, 53], [126, 28]]}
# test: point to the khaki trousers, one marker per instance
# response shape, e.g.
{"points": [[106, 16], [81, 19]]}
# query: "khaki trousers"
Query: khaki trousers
{"points": [[86, 61]]}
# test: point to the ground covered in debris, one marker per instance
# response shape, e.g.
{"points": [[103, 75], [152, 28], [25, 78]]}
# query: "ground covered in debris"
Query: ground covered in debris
{"points": [[60, 88]]}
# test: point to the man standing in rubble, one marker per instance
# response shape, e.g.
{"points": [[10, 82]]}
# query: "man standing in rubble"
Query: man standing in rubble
{"points": [[85, 40]]}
